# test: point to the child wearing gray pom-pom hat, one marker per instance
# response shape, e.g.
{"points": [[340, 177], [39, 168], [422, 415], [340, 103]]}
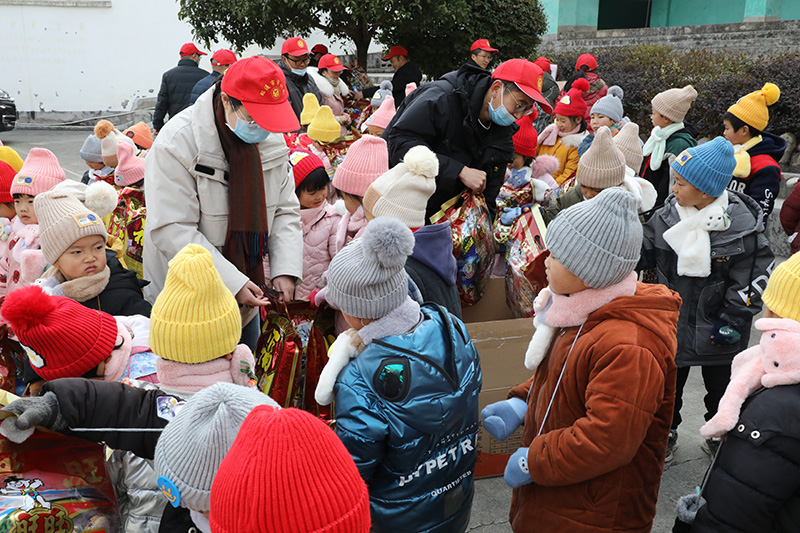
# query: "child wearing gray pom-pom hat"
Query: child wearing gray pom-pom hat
{"points": [[405, 381], [598, 407]]}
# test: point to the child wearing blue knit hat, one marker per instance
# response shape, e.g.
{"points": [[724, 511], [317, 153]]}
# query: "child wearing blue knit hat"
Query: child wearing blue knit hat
{"points": [[708, 244]]}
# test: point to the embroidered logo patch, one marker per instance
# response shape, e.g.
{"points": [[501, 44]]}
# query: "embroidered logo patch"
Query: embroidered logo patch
{"points": [[24, 181], [566, 100], [539, 82], [301, 43], [86, 219], [684, 157]]}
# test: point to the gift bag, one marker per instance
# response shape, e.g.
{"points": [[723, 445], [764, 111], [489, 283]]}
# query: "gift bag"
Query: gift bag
{"points": [[553, 194], [473, 243], [278, 356], [52, 483], [320, 338], [525, 255], [126, 223]]}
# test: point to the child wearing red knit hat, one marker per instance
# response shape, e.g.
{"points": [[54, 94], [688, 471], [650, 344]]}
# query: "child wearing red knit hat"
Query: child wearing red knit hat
{"points": [[562, 138], [7, 214]]}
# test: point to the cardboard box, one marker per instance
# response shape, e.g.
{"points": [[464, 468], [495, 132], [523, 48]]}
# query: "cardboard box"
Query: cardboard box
{"points": [[501, 341]]}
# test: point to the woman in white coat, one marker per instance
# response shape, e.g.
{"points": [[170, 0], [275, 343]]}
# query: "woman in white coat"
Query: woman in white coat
{"points": [[217, 176]]}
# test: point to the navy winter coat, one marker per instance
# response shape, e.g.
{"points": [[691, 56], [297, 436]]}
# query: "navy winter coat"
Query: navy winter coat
{"points": [[764, 180], [176, 88]]}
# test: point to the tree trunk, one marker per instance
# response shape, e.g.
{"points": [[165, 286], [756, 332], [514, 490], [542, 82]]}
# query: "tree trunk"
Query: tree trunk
{"points": [[362, 37]]}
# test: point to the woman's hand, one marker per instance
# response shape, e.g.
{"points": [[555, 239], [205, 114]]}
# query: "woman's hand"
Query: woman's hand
{"points": [[284, 285], [251, 295]]}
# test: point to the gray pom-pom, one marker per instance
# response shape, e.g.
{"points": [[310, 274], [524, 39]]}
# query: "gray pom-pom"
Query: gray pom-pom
{"points": [[386, 85], [387, 242], [616, 90]]}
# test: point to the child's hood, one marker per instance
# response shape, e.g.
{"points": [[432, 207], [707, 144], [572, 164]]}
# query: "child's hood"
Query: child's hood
{"points": [[771, 145], [433, 247]]}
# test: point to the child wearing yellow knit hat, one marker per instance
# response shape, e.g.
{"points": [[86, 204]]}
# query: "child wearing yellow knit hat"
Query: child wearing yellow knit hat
{"points": [[195, 327], [757, 152]]}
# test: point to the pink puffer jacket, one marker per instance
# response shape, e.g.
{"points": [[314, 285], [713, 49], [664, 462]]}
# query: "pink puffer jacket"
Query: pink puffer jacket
{"points": [[319, 246]]}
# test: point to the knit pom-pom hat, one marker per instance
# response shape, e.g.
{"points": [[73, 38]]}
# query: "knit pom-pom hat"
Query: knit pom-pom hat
{"points": [[385, 113], [62, 338], [367, 279], [212, 417], [611, 104], [302, 163], [288, 472], [603, 164], [100, 197], [572, 104], [109, 138], [384, 91], [195, 318], [365, 161], [310, 109], [324, 127], [674, 103], [526, 138], [130, 169], [39, 173], [752, 108]]}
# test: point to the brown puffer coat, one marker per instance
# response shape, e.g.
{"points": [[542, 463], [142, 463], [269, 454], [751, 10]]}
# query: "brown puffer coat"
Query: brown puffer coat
{"points": [[597, 465]]}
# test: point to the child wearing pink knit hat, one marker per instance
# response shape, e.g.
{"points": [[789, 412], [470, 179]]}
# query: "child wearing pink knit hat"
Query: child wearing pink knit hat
{"points": [[366, 160], [39, 173], [130, 170], [380, 120]]}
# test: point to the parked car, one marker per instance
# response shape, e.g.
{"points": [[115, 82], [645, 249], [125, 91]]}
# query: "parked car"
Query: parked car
{"points": [[8, 112]]}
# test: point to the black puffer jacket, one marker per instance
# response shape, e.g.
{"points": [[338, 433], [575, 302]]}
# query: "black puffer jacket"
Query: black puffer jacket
{"points": [[740, 265], [754, 485], [123, 294], [443, 116], [298, 86], [176, 88]]}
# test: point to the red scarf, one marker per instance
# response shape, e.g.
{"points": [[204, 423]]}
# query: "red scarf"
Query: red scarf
{"points": [[246, 242]]}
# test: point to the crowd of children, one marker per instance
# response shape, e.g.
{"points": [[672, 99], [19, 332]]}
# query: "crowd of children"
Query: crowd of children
{"points": [[608, 363]]}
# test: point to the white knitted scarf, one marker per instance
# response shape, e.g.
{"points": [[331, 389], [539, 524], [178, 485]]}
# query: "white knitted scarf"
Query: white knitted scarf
{"points": [[690, 237], [656, 145]]}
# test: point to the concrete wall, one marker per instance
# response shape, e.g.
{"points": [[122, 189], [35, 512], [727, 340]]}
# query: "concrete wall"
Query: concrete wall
{"points": [[70, 57]]}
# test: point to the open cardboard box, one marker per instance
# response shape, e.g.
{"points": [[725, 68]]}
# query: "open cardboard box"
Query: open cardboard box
{"points": [[501, 341]]}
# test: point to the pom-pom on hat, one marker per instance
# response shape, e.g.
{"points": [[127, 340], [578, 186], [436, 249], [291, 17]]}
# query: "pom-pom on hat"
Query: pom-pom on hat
{"points": [[62, 338], [324, 127], [310, 108], [403, 192], [782, 295], [572, 104], [195, 318], [10, 156], [627, 140], [92, 149], [110, 137], [130, 169], [367, 279], [752, 108], [411, 87], [212, 417], [709, 167], [302, 163], [289, 461], [100, 197], [598, 240], [384, 91], [603, 164], [39, 173], [526, 138], [141, 134], [365, 161], [611, 104], [63, 220], [385, 113], [674, 103], [7, 175]]}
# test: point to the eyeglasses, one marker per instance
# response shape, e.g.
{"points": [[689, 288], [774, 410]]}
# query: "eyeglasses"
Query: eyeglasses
{"points": [[521, 108], [299, 60]]}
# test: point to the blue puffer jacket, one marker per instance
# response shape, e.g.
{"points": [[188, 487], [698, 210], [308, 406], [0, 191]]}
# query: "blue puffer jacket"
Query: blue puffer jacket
{"points": [[407, 411]]}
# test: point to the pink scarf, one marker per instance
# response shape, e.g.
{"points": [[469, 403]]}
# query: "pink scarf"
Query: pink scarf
{"points": [[196, 377], [551, 134]]}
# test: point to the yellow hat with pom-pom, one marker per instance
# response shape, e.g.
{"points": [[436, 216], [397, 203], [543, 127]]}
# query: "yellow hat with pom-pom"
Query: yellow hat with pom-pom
{"points": [[782, 295], [195, 318], [310, 108], [752, 108], [10, 156], [324, 128]]}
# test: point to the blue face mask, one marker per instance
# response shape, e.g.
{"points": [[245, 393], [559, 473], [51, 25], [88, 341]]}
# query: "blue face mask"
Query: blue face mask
{"points": [[299, 71], [501, 116], [249, 132]]}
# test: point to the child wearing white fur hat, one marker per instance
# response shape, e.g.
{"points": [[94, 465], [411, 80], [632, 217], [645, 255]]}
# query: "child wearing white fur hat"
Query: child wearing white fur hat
{"points": [[403, 358]]}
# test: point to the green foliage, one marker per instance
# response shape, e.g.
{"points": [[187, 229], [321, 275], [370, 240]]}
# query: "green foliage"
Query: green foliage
{"points": [[438, 37], [720, 78]]}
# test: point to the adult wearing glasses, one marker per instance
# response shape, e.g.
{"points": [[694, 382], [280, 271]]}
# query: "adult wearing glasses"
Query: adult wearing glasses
{"points": [[481, 53], [295, 58], [217, 176], [467, 118]]}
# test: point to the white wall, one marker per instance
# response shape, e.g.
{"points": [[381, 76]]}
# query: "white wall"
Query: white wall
{"points": [[57, 57]]}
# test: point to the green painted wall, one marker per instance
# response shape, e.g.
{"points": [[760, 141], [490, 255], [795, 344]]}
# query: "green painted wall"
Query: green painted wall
{"points": [[790, 10], [578, 12], [550, 8], [694, 12]]}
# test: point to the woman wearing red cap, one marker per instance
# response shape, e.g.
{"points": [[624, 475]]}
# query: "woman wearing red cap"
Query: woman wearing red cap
{"points": [[585, 67], [216, 176], [327, 77]]}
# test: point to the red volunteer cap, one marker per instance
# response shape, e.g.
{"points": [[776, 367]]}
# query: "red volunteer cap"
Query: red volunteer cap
{"points": [[319, 49], [586, 59], [483, 44], [528, 78], [395, 51], [543, 63], [224, 57], [189, 49], [331, 62], [261, 86], [295, 47]]}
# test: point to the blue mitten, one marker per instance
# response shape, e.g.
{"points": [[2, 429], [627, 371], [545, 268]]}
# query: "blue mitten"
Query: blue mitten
{"points": [[518, 178], [724, 334], [510, 214], [517, 473], [501, 419]]}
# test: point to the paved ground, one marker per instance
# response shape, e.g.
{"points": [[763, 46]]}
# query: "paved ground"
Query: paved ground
{"points": [[493, 497]]}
